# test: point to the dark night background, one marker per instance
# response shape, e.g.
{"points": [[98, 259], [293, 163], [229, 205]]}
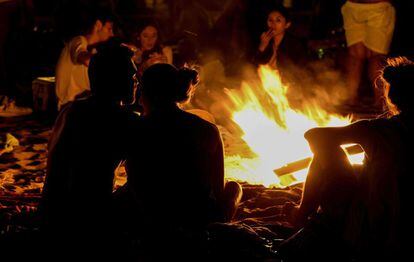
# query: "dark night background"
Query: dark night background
{"points": [[32, 32], [200, 32]]}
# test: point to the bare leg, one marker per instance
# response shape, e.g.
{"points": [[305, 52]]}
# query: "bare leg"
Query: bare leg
{"points": [[354, 66], [311, 196], [231, 198], [329, 184]]}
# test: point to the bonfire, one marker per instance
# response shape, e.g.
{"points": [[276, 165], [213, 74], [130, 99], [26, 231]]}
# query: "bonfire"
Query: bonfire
{"points": [[271, 133]]}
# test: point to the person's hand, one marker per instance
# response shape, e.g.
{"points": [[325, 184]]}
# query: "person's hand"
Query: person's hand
{"points": [[156, 58], [265, 39]]}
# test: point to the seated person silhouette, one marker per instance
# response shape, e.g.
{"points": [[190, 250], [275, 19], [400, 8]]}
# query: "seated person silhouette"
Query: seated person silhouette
{"points": [[365, 214], [86, 146], [176, 165]]}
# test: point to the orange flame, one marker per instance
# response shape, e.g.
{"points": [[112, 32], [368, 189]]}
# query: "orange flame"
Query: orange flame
{"points": [[272, 129]]}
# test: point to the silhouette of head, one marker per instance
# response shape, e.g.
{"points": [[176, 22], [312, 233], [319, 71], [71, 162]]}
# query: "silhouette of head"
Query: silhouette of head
{"points": [[112, 73], [164, 85], [398, 76]]}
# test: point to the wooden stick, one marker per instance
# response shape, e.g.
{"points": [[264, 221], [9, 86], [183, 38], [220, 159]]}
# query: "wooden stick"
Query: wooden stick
{"points": [[304, 163]]}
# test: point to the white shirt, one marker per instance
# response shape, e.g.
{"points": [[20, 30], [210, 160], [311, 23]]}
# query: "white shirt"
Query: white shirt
{"points": [[71, 78]]}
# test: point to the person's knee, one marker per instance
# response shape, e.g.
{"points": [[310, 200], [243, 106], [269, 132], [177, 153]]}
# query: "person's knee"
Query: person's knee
{"points": [[357, 51], [230, 200], [232, 192], [373, 55], [340, 180]]}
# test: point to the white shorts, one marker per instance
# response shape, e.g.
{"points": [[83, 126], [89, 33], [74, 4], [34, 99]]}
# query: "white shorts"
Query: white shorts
{"points": [[371, 24]]}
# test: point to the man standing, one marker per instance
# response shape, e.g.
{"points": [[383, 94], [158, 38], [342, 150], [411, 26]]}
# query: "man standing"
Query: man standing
{"points": [[72, 68], [369, 27]]}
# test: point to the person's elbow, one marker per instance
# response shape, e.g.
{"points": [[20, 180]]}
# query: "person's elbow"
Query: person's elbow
{"points": [[318, 140], [84, 61], [83, 58]]}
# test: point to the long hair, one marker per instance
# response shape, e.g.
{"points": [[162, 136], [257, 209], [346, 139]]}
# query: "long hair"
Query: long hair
{"points": [[141, 27]]}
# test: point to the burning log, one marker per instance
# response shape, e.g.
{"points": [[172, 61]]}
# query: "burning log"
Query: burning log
{"points": [[268, 124], [304, 163]]}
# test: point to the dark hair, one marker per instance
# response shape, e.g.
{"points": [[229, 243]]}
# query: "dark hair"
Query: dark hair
{"points": [[165, 84], [98, 13], [282, 10], [111, 71], [398, 76], [141, 27]]}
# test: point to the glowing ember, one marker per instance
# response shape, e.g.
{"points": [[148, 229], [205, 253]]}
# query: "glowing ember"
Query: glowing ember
{"points": [[273, 130]]}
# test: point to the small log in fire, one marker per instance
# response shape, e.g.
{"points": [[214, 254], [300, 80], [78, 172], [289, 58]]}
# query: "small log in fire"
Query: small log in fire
{"points": [[298, 165]]}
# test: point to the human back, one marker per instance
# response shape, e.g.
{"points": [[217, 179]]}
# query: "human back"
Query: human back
{"points": [[176, 152], [386, 178], [82, 157], [172, 167], [86, 146]]}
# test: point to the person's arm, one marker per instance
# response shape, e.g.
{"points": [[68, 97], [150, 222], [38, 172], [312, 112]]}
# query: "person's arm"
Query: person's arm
{"points": [[168, 53], [79, 51], [137, 56], [265, 39], [84, 58], [154, 58], [324, 138], [217, 168], [264, 51]]}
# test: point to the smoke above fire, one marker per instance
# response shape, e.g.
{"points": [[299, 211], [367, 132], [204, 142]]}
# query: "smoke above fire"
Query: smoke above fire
{"points": [[262, 119]]}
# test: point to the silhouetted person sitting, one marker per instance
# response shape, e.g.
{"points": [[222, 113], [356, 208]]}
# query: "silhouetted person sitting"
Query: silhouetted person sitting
{"points": [[176, 165], [86, 146], [364, 215]]}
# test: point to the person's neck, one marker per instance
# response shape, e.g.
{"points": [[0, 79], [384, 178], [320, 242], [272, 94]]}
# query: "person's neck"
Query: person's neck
{"points": [[92, 38]]}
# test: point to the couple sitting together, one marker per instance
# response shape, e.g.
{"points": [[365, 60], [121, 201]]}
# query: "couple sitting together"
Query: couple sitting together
{"points": [[174, 160], [176, 186]]}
